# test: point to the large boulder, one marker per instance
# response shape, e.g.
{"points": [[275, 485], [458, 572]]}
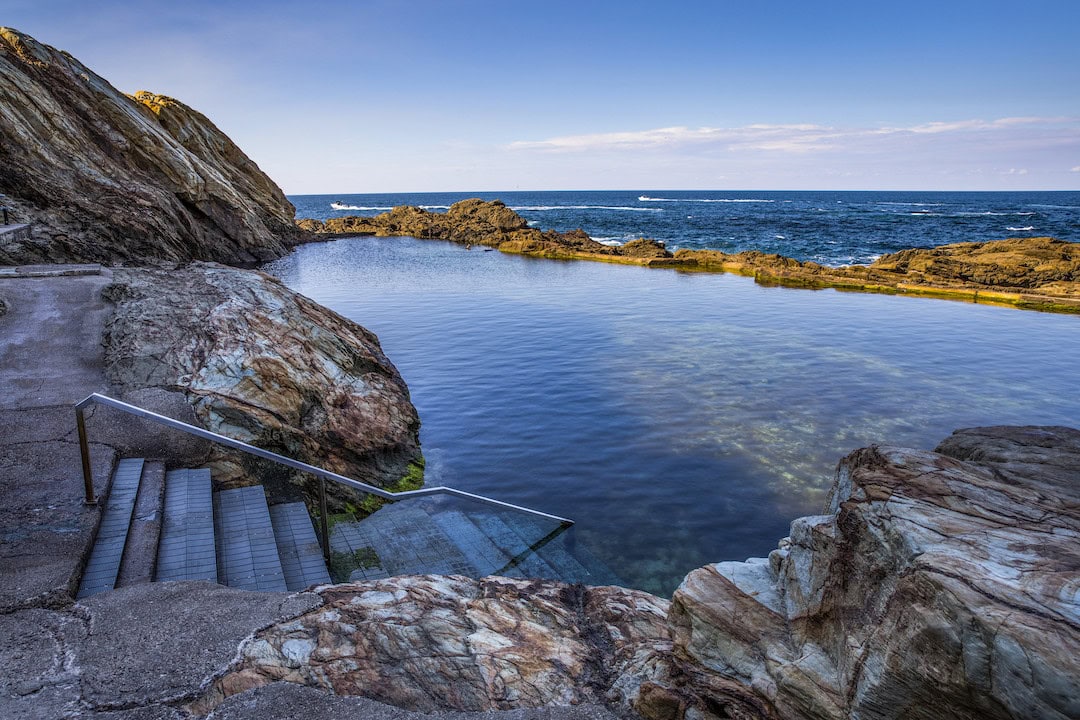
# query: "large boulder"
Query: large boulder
{"points": [[939, 585], [262, 364], [107, 177]]}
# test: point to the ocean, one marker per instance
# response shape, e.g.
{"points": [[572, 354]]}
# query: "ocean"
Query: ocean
{"points": [[687, 418], [831, 228]]}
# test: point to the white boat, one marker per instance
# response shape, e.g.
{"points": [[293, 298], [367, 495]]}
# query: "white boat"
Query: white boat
{"points": [[338, 205]]}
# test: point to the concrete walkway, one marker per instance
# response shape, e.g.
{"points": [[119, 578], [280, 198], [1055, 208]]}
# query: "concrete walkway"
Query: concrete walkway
{"points": [[50, 358]]}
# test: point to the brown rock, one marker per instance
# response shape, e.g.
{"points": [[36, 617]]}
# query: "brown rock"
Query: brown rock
{"points": [[106, 177], [262, 364], [437, 643], [938, 588]]}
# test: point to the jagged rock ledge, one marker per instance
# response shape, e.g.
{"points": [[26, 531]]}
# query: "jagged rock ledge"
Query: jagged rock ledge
{"points": [[1030, 273], [940, 584], [112, 178]]}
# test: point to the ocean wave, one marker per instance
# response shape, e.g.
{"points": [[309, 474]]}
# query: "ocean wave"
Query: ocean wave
{"points": [[434, 207], [340, 206], [646, 198], [609, 241], [990, 213], [546, 208], [1021, 229]]}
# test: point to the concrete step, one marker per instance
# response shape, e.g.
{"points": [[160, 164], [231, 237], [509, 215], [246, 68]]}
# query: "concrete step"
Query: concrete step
{"points": [[298, 546], [525, 561], [187, 548], [398, 539], [573, 563], [140, 552], [105, 557], [482, 553], [247, 556]]}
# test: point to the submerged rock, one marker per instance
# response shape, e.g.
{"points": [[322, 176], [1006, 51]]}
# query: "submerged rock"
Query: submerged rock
{"points": [[107, 177], [262, 364]]}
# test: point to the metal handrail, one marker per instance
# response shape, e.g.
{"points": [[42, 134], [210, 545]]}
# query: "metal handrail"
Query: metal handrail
{"points": [[323, 475]]}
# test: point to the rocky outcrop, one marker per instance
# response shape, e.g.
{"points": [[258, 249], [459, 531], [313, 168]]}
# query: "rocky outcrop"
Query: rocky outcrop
{"points": [[107, 177], [480, 222], [1031, 273], [939, 585], [265, 365]]}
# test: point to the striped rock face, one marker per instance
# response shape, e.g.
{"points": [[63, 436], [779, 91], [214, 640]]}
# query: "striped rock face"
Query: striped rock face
{"points": [[108, 177]]}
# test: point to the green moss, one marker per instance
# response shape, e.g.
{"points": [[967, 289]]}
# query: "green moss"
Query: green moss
{"points": [[343, 563], [413, 479]]}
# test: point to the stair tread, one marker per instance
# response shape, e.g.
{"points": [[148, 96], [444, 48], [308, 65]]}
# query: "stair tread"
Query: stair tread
{"points": [[576, 565], [186, 550], [104, 563], [481, 552], [144, 535], [405, 541], [247, 556], [528, 564], [298, 546]]}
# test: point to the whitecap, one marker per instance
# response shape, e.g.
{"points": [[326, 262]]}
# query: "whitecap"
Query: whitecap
{"points": [[1021, 229], [546, 208], [646, 198], [339, 206], [779, 237]]}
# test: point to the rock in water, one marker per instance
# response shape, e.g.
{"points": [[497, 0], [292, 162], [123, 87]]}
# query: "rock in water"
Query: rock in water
{"points": [[107, 177], [264, 365]]}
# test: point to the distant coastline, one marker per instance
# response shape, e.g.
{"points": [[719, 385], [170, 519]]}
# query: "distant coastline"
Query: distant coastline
{"points": [[1033, 273]]}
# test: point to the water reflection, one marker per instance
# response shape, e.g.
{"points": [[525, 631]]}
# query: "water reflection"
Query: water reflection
{"points": [[680, 419]]}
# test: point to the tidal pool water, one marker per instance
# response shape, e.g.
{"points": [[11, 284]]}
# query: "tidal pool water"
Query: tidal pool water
{"points": [[679, 419]]}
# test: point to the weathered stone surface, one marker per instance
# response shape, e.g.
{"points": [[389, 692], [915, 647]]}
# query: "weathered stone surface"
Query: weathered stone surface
{"points": [[452, 643], [155, 642], [288, 700], [481, 222], [262, 364], [108, 177], [937, 588]]}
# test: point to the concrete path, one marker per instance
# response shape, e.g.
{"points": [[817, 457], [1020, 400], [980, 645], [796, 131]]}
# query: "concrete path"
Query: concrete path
{"points": [[50, 358]]}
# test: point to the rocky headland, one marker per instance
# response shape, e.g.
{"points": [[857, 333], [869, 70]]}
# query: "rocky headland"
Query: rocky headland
{"points": [[1031, 273], [107, 177]]}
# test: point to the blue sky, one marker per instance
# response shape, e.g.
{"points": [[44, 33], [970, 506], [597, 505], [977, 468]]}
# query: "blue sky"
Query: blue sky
{"points": [[381, 96]]}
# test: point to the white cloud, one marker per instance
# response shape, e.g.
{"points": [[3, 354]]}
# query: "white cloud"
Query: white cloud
{"points": [[795, 137], [1075, 169]]}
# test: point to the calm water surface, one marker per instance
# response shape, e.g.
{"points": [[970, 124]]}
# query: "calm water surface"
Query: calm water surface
{"points": [[680, 419]]}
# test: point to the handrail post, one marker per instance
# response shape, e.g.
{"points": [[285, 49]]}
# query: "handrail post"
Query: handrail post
{"points": [[324, 521], [84, 452]]}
